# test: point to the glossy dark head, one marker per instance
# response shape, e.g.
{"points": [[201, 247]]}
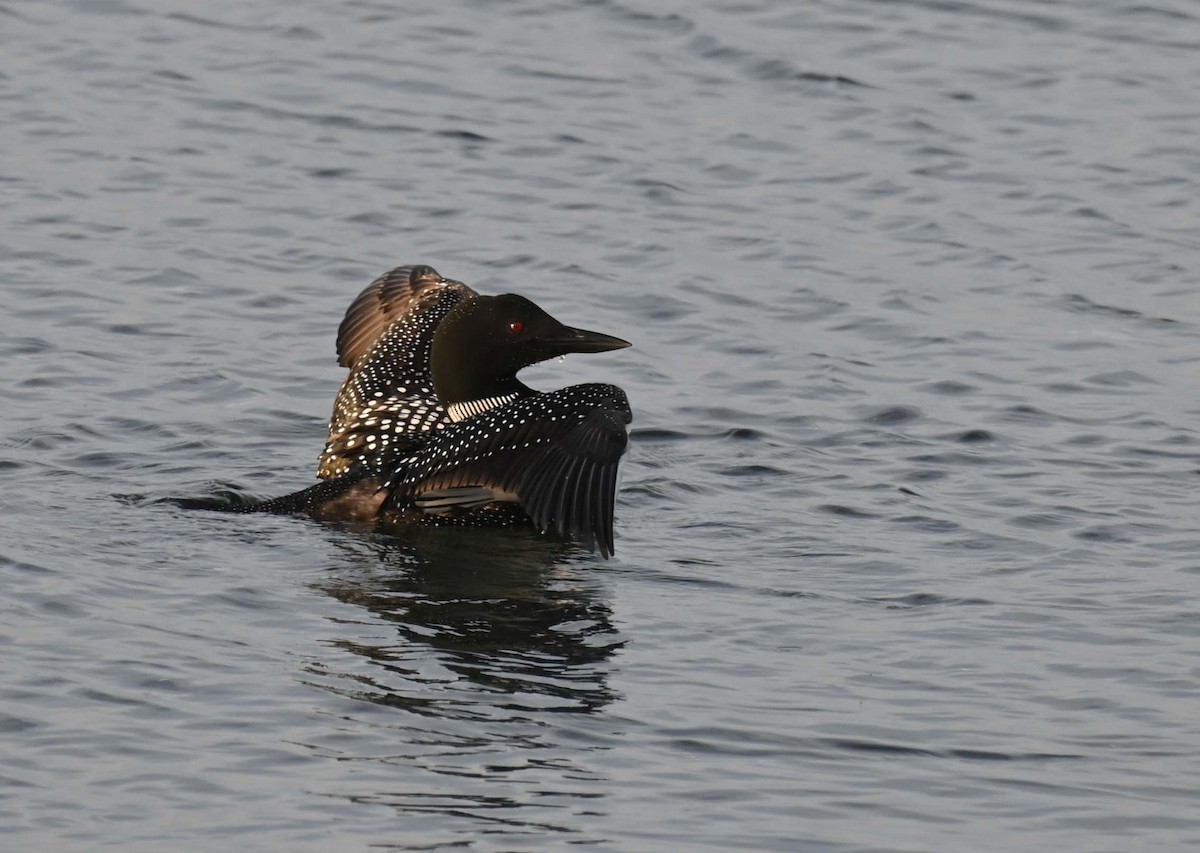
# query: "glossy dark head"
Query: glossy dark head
{"points": [[482, 343]]}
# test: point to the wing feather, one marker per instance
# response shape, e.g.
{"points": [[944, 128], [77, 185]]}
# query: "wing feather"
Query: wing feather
{"points": [[381, 303], [561, 469], [607, 494]]}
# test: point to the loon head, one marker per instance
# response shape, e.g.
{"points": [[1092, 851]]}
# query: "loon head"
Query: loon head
{"points": [[482, 343]]}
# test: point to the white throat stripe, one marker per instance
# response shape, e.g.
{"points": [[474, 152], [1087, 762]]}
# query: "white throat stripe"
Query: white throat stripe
{"points": [[471, 408]]}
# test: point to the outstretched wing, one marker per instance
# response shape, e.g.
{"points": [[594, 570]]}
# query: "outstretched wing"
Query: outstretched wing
{"points": [[388, 397], [383, 302], [555, 454]]}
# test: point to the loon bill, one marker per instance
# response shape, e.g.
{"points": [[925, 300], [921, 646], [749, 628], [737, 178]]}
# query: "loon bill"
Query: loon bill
{"points": [[432, 425]]}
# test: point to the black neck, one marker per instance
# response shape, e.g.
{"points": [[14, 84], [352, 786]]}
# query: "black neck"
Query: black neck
{"points": [[465, 385], [483, 342]]}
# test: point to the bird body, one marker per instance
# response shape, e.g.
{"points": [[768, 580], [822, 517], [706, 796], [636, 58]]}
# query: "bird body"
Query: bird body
{"points": [[432, 425]]}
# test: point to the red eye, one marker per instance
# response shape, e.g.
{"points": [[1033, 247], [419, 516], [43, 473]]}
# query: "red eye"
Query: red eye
{"points": [[516, 327]]}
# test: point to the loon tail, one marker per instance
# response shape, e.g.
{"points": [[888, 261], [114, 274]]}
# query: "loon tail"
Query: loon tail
{"points": [[354, 496]]}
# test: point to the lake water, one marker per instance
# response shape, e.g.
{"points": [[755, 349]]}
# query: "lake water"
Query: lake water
{"points": [[909, 545]]}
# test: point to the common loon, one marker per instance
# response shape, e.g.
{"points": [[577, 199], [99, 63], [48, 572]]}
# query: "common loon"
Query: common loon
{"points": [[432, 425]]}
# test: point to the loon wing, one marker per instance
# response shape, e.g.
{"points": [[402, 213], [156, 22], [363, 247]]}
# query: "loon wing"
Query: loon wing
{"points": [[388, 396], [573, 484], [383, 302], [556, 454]]}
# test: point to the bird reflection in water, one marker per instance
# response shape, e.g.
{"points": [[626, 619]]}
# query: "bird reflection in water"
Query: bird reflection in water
{"points": [[472, 670], [504, 610]]}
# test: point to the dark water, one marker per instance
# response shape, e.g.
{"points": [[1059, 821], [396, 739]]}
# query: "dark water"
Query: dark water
{"points": [[909, 542]]}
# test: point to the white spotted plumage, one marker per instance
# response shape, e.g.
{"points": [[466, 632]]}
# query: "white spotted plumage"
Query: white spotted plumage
{"points": [[499, 429], [388, 397], [551, 457]]}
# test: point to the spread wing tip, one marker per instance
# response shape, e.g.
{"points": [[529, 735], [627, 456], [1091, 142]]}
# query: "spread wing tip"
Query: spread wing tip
{"points": [[574, 500]]}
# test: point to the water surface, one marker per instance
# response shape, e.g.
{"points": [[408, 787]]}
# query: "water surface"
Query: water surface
{"points": [[908, 533]]}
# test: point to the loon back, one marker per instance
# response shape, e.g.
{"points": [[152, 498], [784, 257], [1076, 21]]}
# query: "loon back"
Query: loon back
{"points": [[385, 339]]}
